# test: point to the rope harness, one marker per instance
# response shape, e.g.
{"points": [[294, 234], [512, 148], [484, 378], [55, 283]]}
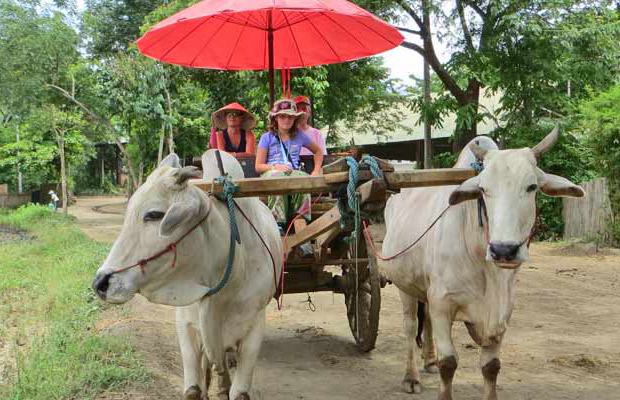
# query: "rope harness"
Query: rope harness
{"points": [[228, 189], [171, 247], [478, 166]]}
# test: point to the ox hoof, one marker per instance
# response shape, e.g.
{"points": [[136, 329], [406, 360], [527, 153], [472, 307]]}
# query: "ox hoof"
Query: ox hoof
{"points": [[193, 393], [223, 397], [411, 385], [243, 396], [431, 368], [231, 359]]}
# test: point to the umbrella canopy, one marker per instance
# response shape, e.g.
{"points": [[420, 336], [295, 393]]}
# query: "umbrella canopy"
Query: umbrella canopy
{"points": [[234, 34]]}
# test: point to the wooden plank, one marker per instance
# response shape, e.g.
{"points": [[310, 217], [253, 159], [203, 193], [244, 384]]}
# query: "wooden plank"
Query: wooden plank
{"points": [[316, 228], [339, 165], [342, 166], [252, 187], [341, 177], [323, 241], [428, 177], [312, 263], [306, 281], [373, 190], [300, 224], [385, 166]]}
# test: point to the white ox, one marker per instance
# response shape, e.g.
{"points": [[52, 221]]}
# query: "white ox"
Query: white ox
{"points": [[459, 271], [231, 322]]}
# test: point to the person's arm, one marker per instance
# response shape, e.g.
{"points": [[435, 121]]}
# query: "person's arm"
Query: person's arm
{"points": [[318, 157], [221, 144], [261, 165], [323, 142]]}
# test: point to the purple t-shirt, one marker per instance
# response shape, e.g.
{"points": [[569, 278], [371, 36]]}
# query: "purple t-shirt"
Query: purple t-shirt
{"points": [[270, 142]]}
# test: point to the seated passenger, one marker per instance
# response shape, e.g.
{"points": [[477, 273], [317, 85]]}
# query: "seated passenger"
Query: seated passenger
{"points": [[278, 155], [303, 104], [234, 130]]}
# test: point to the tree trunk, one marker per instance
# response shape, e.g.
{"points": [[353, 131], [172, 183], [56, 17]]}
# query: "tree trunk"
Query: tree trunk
{"points": [[141, 176], [160, 153], [171, 137], [428, 146], [465, 134], [102, 169], [63, 173], [20, 185]]}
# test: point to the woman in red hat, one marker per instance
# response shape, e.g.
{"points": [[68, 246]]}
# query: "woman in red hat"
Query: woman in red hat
{"points": [[234, 130]]}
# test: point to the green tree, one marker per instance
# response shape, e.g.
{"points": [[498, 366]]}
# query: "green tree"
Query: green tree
{"points": [[599, 120], [524, 49], [113, 25]]}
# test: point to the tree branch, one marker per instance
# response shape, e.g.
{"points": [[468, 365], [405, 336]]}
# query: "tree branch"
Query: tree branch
{"points": [[476, 8], [409, 10], [107, 123], [466, 32], [414, 47], [512, 8], [409, 30]]}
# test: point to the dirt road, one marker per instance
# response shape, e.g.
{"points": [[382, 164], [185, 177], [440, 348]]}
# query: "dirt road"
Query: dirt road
{"points": [[563, 342]]}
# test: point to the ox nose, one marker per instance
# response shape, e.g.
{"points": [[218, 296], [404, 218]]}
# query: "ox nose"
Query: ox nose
{"points": [[504, 251], [101, 284]]}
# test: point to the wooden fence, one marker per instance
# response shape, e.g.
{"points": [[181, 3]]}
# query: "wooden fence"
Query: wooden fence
{"points": [[589, 216]]}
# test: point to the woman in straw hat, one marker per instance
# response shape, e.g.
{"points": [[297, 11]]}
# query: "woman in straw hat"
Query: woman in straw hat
{"points": [[234, 134], [278, 155]]}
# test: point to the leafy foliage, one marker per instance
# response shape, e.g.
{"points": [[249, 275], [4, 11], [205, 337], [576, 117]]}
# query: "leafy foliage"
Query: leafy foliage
{"points": [[599, 120]]}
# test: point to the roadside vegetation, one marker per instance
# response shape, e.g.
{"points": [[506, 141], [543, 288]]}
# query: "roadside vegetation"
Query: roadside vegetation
{"points": [[49, 347]]}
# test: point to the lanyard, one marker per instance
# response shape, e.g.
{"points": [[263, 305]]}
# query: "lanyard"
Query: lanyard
{"points": [[286, 157]]}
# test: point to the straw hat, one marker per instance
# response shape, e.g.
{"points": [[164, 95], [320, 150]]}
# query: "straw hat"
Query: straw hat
{"points": [[286, 107], [219, 117]]}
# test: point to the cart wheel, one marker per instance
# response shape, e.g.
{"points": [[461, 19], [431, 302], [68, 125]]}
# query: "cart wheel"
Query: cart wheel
{"points": [[362, 296]]}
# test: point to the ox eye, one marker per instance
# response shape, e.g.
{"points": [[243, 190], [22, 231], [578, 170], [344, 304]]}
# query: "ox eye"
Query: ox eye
{"points": [[532, 188], [153, 216]]}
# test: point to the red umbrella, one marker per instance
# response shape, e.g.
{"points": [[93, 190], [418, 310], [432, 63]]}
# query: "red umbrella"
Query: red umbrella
{"points": [[268, 34]]}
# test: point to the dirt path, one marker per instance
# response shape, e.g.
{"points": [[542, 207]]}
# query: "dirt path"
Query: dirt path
{"points": [[563, 342]]}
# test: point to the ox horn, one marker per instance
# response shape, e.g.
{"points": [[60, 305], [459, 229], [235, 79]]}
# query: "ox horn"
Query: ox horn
{"points": [[186, 173], [478, 151], [547, 143]]}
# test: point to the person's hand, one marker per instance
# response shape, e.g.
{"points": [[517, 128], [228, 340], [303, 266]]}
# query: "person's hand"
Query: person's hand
{"points": [[284, 168]]}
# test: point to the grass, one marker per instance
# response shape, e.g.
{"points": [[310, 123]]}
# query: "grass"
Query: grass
{"points": [[48, 312]]}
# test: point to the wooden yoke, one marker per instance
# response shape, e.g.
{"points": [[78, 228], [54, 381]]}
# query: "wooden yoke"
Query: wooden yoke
{"points": [[253, 187]]}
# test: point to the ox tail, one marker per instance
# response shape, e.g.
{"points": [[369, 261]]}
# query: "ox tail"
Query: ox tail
{"points": [[421, 315]]}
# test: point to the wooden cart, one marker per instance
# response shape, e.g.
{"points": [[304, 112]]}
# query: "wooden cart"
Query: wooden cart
{"points": [[333, 237]]}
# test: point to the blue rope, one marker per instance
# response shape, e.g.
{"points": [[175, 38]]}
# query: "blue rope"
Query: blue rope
{"points": [[352, 195], [228, 188], [478, 166], [374, 166], [353, 178]]}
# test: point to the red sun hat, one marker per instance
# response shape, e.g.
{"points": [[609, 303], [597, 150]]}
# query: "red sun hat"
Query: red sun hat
{"points": [[302, 99], [219, 117]]}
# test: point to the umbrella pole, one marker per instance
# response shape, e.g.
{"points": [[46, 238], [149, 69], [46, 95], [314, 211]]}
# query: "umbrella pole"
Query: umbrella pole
{"points": [[271, 72]]}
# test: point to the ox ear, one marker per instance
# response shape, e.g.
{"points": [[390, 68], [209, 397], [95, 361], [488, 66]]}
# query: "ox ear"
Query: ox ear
{"points": [[172, 160], [182, 214], [553, 185], [468, 190]]}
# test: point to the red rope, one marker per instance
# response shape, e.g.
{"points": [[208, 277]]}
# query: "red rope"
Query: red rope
{"points": [[374, 250], [286, 82], [273, 261], [171, 247], [279, 300]]}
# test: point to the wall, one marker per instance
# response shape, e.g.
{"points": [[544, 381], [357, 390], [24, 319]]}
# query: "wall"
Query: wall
{"points": [[14, 200], [587, 217]]}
